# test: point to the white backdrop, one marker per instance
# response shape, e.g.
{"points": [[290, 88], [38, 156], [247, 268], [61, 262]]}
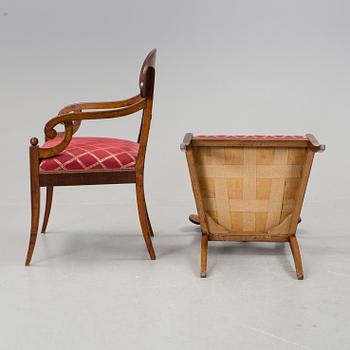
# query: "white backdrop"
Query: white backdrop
{"points": [[256, 67]]}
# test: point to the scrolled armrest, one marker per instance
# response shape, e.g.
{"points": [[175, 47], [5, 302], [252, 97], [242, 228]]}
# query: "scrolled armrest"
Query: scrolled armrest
{"points": [[46, 152], [79, 107], [74, 118], [71, 117]]}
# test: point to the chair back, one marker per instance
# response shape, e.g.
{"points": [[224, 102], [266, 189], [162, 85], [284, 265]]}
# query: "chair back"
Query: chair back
{"points": [[147, 73], [146, 84]]}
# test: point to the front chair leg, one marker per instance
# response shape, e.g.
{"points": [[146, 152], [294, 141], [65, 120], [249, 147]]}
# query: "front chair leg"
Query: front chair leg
{"points": [[34, 196], [49, 193], [204, 255], [35, 206], [141, 206], [296, 256]]}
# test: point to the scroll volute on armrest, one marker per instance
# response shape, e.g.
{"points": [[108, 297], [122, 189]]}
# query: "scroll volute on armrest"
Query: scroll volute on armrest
{"points": [[76, 123], [65, 139], [72, 115]]}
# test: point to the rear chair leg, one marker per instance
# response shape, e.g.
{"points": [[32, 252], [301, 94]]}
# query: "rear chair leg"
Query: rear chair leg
{"points": [[296, 256], [141, 206], [204, 255], [147, 217], [49, 192], [149, 224]]}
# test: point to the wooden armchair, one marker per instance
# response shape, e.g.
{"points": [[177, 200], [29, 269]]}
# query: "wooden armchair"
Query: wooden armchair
{"points": [[65, 160], [249, 188]]}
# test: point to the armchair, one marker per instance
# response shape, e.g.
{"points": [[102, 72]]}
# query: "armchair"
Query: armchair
{"points": [[66, 160], [249, 188]]}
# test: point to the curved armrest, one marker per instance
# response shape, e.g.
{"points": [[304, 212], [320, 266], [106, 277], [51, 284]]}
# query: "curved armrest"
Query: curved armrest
{"points": [[60, 146], [70, 120], [78, 107]]}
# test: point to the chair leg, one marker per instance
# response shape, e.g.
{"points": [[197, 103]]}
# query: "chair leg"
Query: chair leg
{"points": [[35, 207], [147, 217], [149, 224], [296, 256], [49, 192], [204, 255], [141, 206]]}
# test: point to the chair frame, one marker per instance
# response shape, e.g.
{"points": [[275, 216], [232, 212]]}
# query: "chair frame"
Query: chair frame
{"points": [[71, 117], [312, 146]]}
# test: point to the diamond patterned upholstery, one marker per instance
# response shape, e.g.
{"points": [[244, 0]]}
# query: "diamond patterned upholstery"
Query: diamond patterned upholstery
{"points": [[91, 153], [263, 137]]}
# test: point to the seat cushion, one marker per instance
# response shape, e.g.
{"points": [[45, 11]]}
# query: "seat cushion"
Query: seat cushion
{"points": [[260, 137], [91, 153]]}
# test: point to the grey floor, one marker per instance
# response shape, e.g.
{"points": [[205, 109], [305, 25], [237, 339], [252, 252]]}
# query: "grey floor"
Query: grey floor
{"points": [[92, 286]]}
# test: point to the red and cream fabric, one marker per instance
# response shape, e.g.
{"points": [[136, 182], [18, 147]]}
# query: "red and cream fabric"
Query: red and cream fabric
{"points": [[91, 153], [263, 137]]}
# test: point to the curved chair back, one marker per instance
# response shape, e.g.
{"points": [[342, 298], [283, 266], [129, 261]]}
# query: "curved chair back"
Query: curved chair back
{"points": [[147, 73], [146, 84]]}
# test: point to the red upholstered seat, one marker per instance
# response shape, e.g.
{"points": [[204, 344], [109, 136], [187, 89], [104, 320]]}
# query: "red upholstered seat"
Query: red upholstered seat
{"points": [[91, 153], [263, 137]]}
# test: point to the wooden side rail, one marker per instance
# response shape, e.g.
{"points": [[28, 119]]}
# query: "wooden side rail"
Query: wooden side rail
{"points": [[309, 141]]}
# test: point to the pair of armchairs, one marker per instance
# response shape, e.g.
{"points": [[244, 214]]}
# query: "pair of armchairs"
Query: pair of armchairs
{"points": [[246, 188]]}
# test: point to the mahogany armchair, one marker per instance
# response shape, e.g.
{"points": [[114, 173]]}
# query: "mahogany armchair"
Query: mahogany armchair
{"points": [[249, 188], [65, 160]]}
